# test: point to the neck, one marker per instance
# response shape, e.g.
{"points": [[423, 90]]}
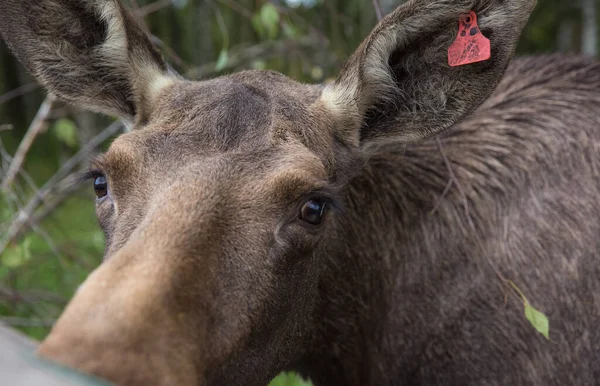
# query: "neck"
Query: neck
{"points": [[399, 235]]}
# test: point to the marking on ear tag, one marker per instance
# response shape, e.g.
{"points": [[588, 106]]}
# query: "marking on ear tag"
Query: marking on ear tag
{"points": [[470, 45]]}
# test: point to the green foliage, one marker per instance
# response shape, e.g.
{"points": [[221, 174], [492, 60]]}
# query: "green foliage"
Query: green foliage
{"points": [[66, 131], [222, 60], [289, 379], [538, 320], [290, 31], [6, 213], [17, 255], [266, 22], [35, 266]]}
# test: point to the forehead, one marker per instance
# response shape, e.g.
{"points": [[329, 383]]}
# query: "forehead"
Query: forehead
{"points": [[253, 109], [248, 117]]}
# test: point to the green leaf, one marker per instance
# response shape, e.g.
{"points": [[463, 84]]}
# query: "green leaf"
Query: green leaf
{"points": [[289, 379], [317, 73], [14, 257], [222, 61], [97, 239], [538, 320], [66, 131], [259, 65], [269, 17], [258, 26], [6, 213], [26, 248], [290, 31]]}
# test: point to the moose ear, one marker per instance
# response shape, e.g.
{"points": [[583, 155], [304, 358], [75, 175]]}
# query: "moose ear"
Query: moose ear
{"points": [[399, 86], [91, 53]]}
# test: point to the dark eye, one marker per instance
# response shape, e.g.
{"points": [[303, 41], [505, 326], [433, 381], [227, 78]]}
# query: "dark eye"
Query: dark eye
{"points": [[313, 211], [100, 186]]}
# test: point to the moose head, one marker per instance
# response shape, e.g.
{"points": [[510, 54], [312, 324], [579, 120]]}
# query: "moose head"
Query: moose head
{"points": [[229, 198]]}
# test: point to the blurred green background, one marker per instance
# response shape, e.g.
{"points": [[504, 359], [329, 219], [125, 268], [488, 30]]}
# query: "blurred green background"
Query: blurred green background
{"points": [[49, 239]]}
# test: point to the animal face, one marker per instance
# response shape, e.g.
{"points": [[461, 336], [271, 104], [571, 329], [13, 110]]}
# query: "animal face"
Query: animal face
{"points": [[236, 203], [222, 203]]}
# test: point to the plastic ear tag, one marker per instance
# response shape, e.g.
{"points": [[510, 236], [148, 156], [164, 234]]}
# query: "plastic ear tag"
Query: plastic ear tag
{"points": [[470, 45]]}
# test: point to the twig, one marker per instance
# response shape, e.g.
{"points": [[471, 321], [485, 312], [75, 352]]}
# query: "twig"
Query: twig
{"points": [[24, 215], [455, 180], [6, 158], [5, 127], [31, 296], [222, 25], [242, 54], [26, 322], [140, 15], [170, 52], [442, 196], [17, 92], [47, 210], [378, 10], [153, 7], [37, 126], [237, 8], [13, 197]]}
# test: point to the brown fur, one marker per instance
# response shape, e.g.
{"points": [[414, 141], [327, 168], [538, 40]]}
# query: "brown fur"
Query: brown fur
{"points": [[209, 276]]}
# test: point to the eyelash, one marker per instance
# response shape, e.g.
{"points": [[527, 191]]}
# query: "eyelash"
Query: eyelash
{"points": [[332, 200], [88, 175]]}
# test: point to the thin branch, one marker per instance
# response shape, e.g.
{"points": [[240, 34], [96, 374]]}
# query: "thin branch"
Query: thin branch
{"points": [[441, 198], [13, 197], [26, 322], [222, 25], [23, 217], [38, 125], [153, 7], [17, 92], [243, 54], [170, 53], [454, 179], [6, 127], [237, 8], [47, 209], [300, 21], [140, 15], [31, 296], [7, 159], [378, 10]]}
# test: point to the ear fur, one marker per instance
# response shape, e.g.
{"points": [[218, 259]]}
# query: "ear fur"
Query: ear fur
{"points": [[91, 53], [398, 84]]}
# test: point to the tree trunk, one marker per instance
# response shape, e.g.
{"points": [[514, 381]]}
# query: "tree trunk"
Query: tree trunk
{"points": [[589, 34], [565, 36]]}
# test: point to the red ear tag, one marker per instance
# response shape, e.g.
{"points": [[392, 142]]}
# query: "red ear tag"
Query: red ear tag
{"points": [[470, 45]]}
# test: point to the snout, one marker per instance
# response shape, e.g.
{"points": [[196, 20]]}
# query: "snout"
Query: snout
{"points": [[126, 326]]}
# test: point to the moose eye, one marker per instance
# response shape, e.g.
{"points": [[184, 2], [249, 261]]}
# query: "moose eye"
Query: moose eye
{"points": [[313, 211], [100, 186]]}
